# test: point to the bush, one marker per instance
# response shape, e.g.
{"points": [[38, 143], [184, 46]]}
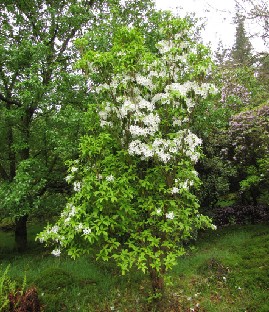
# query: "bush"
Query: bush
{"points": [[24, 301], [52, 279], [239, 214], [6, 286], [14, 300]]}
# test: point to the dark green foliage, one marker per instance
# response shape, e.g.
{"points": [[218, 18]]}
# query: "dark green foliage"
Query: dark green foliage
{"points": [[42, 97], [241, 214]]}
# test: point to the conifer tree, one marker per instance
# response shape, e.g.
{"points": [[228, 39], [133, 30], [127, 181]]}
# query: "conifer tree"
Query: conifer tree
{"points": [[241, 51]]}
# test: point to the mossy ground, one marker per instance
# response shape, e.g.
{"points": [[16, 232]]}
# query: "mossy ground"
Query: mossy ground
{"points": [[227, 271]]}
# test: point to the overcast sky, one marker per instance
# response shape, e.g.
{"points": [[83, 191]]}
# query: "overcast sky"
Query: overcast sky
{"points": [[218, 15]]}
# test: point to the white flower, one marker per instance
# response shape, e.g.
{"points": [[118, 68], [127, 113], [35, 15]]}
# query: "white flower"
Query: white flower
{"points": [[106, 123], [86, 231], [74, 169], [175, 190], [110, 178], [73, 211], [170, 215], [67, 220], [79, 227], [138, 131], [164, 46], [144, 81], [56, 252], [159, 211], [214, 227], [77, 186], [55, 229], [68, 178]]}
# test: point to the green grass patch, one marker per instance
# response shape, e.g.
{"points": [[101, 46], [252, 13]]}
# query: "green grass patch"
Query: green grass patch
{"points": [[227, 271]]}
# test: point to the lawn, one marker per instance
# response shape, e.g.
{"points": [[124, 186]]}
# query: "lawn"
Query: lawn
{"points": [[228, 270]]}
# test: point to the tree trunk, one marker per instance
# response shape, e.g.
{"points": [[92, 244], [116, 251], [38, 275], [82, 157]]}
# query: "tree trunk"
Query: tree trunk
{"points": [[21, 233], [157, 282], [21, 222]]}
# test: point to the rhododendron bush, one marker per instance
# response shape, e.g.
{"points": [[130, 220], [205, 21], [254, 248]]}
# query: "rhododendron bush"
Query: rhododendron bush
{"points": [[249, 134], [133, 183]]}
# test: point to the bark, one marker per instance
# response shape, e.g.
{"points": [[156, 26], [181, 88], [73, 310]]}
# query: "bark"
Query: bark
{"points": [[21, 233], [21, 222], [157, 282]]}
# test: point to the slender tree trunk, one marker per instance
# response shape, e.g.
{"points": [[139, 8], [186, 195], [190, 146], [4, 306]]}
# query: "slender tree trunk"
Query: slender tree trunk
{"points": [[157, 282], [11, 154], [21, 222], [21, 233]]}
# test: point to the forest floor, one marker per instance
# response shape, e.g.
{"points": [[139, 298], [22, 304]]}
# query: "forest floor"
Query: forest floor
{"points": [[228, 270]]}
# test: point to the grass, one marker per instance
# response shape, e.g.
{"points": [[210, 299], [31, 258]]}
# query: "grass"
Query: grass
{"points": [[227, 271]]}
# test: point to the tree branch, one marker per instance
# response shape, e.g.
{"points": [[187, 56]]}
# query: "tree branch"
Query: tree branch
{"points": [[9, 101], [3, 173]]}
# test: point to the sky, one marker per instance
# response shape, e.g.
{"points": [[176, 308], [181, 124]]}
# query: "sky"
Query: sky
{"points": [[218, 15]]}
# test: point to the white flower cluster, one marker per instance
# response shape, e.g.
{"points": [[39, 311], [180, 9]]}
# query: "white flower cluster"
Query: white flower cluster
{"points": [[181, 185], [79, 227], [87, 231], [170, 215], [69, 212], [110, 178], [56, 252], [144, 81], [202, 89], [68, 178], [150, 125], [175, 190], [139, 111], [186, 184], [77, 186], [74, 169], [165, 149], [165, 46], [54, 229]]}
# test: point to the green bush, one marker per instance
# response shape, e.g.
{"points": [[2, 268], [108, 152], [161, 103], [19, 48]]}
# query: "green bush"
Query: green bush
{"points": [[52, 279], [6, 286]]}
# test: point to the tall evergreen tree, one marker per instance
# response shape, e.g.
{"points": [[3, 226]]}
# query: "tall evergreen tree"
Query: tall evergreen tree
{"points": [[241, 51]]}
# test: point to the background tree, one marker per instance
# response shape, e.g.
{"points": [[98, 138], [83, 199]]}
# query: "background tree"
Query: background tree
{"points": [[250, 141], [241, 89], [42, 97], [258, 11], [241, 51]]}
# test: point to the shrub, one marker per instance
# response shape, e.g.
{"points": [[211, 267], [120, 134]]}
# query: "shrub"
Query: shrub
{"points": [[52, 279], [239, 214], [6, 286], [14, 300], [27, 301]]}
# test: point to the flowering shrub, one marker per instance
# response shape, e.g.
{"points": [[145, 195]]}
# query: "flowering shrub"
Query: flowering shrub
{"points": [[135, 178], [241, 214], [249, 133]]}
